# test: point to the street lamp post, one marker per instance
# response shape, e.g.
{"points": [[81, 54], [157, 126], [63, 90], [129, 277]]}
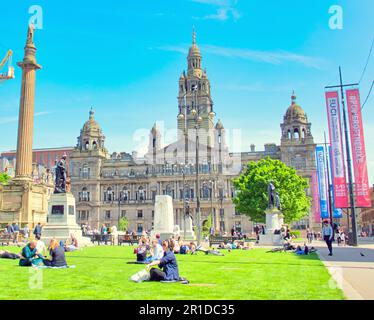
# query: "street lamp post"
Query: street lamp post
{"points": [[119, 208], [196, 114]]}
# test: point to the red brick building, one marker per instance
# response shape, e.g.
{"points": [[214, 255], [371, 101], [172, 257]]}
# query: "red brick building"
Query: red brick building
{"points": [[45, 157]]}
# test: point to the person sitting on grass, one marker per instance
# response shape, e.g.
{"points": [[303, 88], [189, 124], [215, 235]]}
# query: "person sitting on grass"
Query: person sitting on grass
{"points": [[175, 245], [57, 254], [9, 255], [168, 263], [141, 251], [71, 244], [183, 249], [41, 247], [299, 250], [192, 248], [156, 251], [30, 256]]}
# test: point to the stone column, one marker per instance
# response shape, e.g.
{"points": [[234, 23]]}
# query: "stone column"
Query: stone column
{"points": [[26, 110]]}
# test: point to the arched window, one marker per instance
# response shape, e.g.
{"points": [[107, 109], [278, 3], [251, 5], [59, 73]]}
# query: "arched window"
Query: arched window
{"points": [[140, 195], [205, 191], [85, 195], [169, 191], [296, 134], [125, 194], [85, 172], [94, 145], [87, 145], [303, 135], [289, 135], [108, 194]]}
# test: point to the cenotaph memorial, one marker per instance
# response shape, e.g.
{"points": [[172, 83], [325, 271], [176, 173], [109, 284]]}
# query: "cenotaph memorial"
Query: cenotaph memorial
{"points": [[23, 200], [274, 219], [164, 221], [164, 217]]}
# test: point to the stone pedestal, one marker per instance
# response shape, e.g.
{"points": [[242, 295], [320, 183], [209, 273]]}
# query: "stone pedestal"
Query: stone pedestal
{"points": [[164, 217], [61, 220], [188, 233], [273, 222], [24, 202]]}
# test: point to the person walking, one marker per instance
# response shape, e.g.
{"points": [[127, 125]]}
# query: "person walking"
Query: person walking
{"points": [[309, 235], [328, 234], [26, 232], [10, 229], [16, 232], [38, 231]]}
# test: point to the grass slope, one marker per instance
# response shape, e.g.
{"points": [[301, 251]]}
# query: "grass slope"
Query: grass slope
{"points": [[102, 273]]}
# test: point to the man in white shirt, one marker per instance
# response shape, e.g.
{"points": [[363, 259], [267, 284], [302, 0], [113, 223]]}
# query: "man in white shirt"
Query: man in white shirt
{"points": [[157, 250], [327, 234], [41, 248]]}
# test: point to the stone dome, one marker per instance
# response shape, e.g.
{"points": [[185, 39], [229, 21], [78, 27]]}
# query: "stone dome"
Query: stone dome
{"points": [[295, 111], [91, 124], [194, 51]]}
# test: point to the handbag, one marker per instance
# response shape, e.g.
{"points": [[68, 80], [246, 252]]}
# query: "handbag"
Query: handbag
{"points": [[141, 276]]}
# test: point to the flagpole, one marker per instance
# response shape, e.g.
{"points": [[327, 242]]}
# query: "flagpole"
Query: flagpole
{"points": [[328, 181], [353, 239], [348, 154]]}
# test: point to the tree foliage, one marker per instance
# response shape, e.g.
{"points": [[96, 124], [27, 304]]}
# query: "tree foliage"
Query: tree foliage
{"points": [[207, 225], [4, 178], [123, 224], [251, 190]]}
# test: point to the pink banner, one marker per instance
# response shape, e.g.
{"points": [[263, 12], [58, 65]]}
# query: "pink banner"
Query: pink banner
{"points": [[358, 149], [337, 157], [316, 207]]}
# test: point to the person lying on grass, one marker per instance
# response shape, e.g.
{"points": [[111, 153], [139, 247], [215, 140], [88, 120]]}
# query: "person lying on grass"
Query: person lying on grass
{"points": [[30, 256], [57, 254], [168, 263], [9, 255], [184, 249]]}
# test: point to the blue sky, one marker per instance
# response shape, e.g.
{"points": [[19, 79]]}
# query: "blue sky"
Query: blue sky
{"points": [[124, 59]]}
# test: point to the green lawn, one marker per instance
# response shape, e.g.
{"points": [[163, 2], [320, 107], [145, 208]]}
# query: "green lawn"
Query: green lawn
{"points": [[102, 273]]}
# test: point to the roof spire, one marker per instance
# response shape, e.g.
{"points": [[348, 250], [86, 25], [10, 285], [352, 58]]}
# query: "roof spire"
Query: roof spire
{"points": [[92, 113], [293, 97], [193, 35]]}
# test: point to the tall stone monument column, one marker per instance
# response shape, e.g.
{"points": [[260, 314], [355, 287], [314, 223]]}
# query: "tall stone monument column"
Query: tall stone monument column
{"points": [[26, 109], [23, 200]]}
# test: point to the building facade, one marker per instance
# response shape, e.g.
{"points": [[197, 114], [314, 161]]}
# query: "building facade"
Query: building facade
{"points": [[110, 186], [41, 158]]}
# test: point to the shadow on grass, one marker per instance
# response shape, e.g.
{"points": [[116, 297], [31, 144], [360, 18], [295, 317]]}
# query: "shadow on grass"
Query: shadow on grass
{"points": [[311, 257]]}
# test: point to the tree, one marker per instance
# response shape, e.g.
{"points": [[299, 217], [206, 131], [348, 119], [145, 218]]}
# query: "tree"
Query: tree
{"points": [[251, 190], [4, 178], [123, 224], [207, 225]]}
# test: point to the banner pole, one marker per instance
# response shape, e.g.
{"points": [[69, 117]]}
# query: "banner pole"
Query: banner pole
{"points": [[348, 155], [328, 181]]}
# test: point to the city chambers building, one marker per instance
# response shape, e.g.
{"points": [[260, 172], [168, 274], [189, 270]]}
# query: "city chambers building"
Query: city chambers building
{"points": [[110, 186]]}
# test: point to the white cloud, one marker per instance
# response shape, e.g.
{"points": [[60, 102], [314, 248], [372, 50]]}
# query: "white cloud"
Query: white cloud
{"points": [[225, 10], [271, 57], [5, 120]]}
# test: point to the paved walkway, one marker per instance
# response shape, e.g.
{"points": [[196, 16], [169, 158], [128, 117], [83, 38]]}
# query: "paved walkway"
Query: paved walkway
{"points": [[352, 268]]}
